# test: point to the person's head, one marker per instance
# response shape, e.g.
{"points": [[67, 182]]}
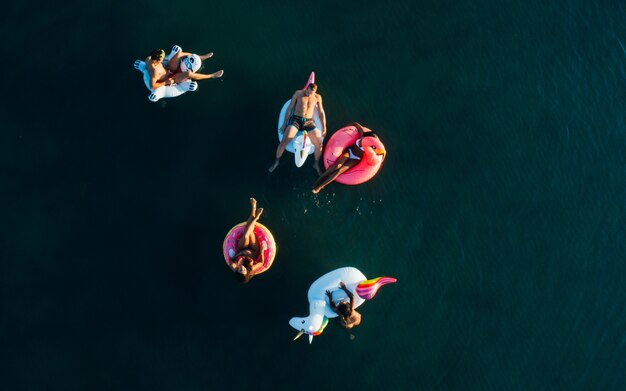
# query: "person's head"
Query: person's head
{"points": [[344, 308], [310, 89], [369, 134], [157, 55], [243, 271]]}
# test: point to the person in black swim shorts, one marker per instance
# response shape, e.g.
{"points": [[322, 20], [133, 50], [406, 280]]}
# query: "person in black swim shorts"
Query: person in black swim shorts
{"points": [[303, 104]]}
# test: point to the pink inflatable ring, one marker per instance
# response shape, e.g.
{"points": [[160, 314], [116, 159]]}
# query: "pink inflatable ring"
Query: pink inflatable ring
{"points": [[369, 164], [229, 248]]}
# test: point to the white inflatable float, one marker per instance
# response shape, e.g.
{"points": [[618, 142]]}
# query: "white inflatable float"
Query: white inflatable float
{"points": [[191, 62], [301, 145], [319, 307]]}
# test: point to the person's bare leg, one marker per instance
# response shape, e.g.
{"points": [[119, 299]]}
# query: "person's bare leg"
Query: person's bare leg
{"points": [[174, 62], [248, 239], [289, 134], [248, 234], [201, 76], [180, 77], [316, 138], [205, 56], [252, 207], [342, 165]]}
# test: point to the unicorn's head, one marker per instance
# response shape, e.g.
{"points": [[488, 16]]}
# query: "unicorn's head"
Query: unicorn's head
{"points": [[312, 325]]}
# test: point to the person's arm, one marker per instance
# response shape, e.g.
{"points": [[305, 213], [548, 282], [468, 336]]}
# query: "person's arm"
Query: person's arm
{"points": [[330, 300], [320, 108], [350, 295], [359, 128], [233, 263], [168, 82], [154, 82], [292, 104], [262, 252]]}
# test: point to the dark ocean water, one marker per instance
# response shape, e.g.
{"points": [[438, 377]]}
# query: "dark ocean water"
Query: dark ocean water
{"points": [[500, 207]]}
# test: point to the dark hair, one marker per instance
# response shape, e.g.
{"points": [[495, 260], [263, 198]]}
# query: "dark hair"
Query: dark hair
{"points": [[157, 53], [313, 87], [344, 308], [245, 278]]}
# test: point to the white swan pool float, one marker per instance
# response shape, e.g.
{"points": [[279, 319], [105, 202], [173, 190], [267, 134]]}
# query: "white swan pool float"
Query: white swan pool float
{"points": [[319, 307], [192, 62]]}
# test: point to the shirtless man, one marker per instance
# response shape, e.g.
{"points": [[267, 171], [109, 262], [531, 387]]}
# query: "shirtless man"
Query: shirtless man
{"points": [[304, 102], [160, 76], [347, 315]]}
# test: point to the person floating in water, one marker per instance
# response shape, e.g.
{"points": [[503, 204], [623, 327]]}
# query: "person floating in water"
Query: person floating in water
{"points": [[303, 103], [348, 317], [248, 249], [350, 157], [161, 76]]}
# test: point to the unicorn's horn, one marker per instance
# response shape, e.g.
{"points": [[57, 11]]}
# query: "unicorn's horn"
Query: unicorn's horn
{"points": [[310, 339], [299, 334], [368, 288]]}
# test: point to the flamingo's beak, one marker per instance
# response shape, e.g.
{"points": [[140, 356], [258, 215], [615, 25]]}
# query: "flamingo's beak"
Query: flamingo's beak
{"points": [[299, 334]]}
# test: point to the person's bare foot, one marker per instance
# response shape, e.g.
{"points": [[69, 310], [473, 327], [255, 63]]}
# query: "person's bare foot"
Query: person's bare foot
{"points": [[273, 166], [315, 191], [208, 55], [218, 74]]}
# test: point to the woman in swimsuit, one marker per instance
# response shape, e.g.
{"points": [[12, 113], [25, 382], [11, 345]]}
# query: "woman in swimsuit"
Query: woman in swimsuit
{"points": [[248, 249], [350, 157]]}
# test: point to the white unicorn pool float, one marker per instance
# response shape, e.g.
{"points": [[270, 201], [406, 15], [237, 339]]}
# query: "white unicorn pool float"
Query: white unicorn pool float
{"points": [[319, 307], [191, 62]]}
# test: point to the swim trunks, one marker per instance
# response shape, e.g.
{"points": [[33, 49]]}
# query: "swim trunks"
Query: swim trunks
{"points": [[301, 123]]}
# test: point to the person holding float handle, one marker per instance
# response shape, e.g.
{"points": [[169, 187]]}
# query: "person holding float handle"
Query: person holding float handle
{"points": [[347, 315], [355, 288], [173, 75], [301, 145], [367, 150], [303, 104]]}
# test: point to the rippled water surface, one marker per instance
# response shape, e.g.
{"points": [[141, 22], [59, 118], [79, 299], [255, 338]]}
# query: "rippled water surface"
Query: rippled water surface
{"points": [[500, 207]]}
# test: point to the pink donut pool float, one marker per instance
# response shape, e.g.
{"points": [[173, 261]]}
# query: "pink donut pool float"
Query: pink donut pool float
{"points": [[369, 164], [229, 248]]}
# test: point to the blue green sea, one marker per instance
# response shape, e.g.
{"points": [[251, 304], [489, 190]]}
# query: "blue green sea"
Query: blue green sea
{"points": [[500, 208]]}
